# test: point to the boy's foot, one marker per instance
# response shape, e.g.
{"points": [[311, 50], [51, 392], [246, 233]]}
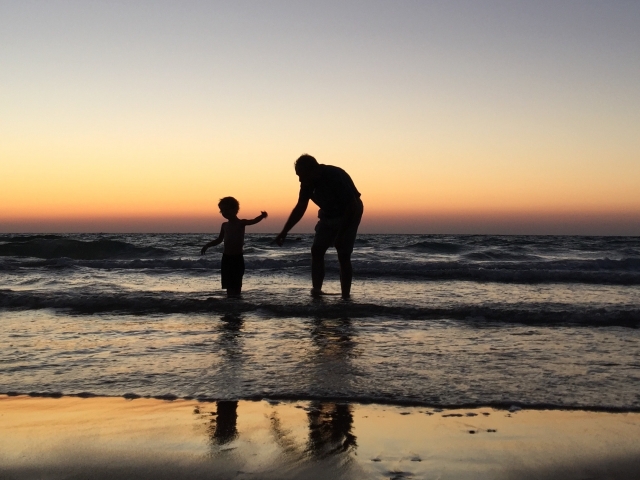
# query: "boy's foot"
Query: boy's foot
{"points": [[316, 292]]}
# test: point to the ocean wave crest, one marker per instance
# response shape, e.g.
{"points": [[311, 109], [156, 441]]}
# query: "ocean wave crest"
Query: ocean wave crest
{"points": [[605, 272], [49, 248], [144, 303], [432, 247], [492, 255], [624, 271]]}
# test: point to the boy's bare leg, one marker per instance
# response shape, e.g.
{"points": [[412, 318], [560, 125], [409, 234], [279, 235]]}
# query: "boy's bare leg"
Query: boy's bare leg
{"points": [[317, 269], [346, 274]]}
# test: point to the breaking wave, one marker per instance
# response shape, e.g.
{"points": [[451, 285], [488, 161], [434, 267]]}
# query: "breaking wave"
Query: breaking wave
{"points": [[84, 301], [51, 246], [625, 271], [432, 247]]}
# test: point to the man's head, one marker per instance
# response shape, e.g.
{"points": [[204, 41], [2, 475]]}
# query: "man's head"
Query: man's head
{"points": [[229, 207], [306, 167]]}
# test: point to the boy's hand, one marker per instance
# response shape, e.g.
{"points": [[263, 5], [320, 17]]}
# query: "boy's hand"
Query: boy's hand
{"points": [[204, 250], [263, 214]]}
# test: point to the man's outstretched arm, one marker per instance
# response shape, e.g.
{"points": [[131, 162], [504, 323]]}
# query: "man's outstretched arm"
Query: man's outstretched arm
{"points": [[296, 215]]}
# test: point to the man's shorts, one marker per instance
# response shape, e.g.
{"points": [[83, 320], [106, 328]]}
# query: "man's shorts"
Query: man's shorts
{"points": [[327, 231], [231, 271]]}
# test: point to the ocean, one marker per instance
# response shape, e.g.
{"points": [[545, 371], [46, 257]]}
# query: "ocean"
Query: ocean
{"points": [[438, 320]]}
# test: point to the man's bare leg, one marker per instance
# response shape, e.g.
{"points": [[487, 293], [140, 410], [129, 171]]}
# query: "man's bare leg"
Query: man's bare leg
{"points": [[346, 274], [317, 269]]}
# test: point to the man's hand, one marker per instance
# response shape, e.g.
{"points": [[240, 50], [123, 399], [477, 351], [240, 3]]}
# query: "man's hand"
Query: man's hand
{"points": [[280, 238], [296, 215], [204, 250], [263, 214]]}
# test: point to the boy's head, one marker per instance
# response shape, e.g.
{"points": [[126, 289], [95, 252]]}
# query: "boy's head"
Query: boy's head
{"points": [[229, 207]]}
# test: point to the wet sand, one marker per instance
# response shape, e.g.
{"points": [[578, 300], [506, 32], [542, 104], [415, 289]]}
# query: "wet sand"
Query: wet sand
{"points": [[73, 437]]}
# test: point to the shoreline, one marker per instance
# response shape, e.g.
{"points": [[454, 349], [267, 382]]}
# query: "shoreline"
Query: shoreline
{"points": [[350, 400], [110, 437]]}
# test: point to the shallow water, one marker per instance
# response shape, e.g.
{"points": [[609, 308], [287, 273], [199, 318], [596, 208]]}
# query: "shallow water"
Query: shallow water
{"points": [[435, 362], [437, 320]]}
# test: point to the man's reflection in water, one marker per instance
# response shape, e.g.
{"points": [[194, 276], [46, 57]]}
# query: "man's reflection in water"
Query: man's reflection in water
{"points": [[330, 427], [333, 338], [231, 329], [223, 426], [330, 432], [332, 371], [330, 423]]}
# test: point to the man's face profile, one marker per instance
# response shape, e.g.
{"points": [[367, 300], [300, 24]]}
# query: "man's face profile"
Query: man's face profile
{"points": [[304, 174]]}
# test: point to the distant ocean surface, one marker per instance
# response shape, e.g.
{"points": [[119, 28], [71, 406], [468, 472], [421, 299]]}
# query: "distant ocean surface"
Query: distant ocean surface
{"points": [[440, 320]]}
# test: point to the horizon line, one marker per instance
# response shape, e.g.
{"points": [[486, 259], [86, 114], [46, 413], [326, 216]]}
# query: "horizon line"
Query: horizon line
{"points": [[37, 233]]}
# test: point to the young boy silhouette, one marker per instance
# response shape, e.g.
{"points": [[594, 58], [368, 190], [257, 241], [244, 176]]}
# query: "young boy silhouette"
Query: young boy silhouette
{"points": [[232, 234]]}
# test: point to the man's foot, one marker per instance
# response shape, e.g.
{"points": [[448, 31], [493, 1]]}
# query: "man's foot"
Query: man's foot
{"points": [[316, 292]]}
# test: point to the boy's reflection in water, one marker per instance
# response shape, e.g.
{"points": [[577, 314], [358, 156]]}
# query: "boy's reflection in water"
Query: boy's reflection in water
{"points": [[231, 328], [223, 426]]}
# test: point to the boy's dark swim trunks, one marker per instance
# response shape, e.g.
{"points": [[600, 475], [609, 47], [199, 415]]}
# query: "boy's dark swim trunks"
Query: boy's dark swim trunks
{"points": [[232, 270]]}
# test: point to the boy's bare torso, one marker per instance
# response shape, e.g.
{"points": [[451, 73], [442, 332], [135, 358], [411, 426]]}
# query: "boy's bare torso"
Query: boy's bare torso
{"points": [[233, 236]]}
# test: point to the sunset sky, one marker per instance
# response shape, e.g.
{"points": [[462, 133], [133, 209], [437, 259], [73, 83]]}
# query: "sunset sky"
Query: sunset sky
{"points": [[451, 117]]}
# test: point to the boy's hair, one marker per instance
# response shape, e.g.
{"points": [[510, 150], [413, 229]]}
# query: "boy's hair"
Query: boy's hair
{"points": [[305, 162], [230, 203]]}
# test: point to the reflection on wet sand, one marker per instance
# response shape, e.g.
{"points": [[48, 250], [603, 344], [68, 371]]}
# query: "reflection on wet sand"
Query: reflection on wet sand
{"points": [[330, 429], [330, 424], [223, 424], [104, 438], [223, 428], [332, 366]]}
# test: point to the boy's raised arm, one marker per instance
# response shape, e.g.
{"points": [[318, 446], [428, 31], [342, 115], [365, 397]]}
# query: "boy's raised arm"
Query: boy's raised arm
{"points": [[259, 218], [215, 242]]}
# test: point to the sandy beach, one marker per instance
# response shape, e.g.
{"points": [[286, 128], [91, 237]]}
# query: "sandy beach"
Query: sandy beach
{"points": [[112, 437]]}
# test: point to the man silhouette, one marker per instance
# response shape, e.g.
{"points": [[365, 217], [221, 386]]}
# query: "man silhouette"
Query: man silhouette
{"points": [[332, 189]]}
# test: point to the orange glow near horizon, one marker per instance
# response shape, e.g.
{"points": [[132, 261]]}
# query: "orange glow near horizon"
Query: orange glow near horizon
{"points": [[85, 187], [506, 223]]}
